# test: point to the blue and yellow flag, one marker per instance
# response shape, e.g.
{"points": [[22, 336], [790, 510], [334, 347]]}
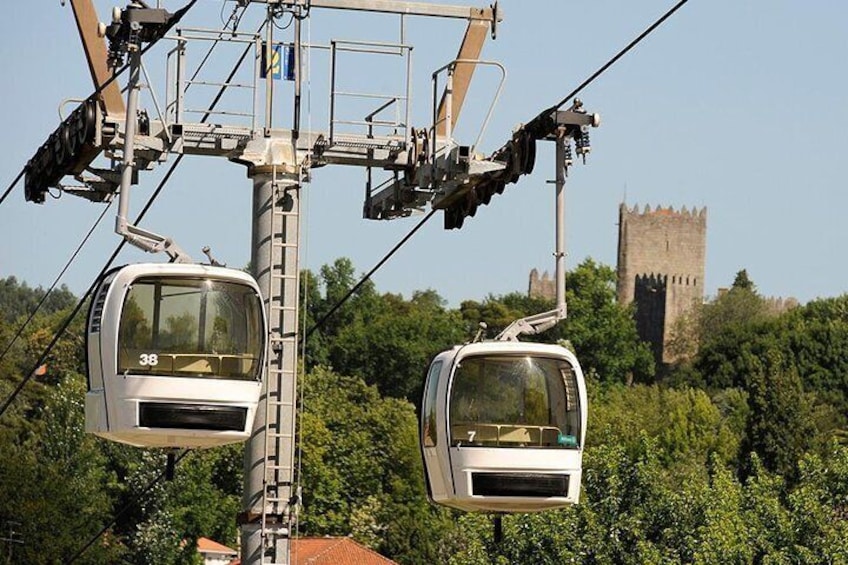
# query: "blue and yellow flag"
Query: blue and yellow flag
{"points": [[275, 67]]}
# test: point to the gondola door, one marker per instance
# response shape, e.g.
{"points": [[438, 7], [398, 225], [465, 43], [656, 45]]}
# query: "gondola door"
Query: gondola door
{"points": [[433, 428]]}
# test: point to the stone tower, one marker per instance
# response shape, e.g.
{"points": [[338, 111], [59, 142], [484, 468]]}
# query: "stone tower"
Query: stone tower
{"points": [[661, 255], [541, 287]]}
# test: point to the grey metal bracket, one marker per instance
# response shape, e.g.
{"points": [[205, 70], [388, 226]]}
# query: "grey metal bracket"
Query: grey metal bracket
{"points": [[491, 14], [570, 124], [531, 325]]}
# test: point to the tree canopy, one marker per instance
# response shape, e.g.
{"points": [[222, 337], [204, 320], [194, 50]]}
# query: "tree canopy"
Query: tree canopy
{"points": [[738, 455]]}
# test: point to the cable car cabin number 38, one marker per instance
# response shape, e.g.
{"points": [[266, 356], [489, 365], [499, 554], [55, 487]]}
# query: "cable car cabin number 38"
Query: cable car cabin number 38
{"points": [[175, 355], [502, 427]]}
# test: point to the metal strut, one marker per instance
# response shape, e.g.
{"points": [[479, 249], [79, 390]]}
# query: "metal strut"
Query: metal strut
{"points": [[539, 323], [139, 237]]}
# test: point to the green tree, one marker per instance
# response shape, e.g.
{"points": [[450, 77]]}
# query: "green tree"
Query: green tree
{"points": [[818, 507], [201, 501], [311, 300], [601, 331], [338, 280], [711, 333], [66, 359], [382, 338], [723, 532], [768, 520], [55, 484], [362, 470], [18, 300], [629, 513], [779, 427], [817, 337], [321, 300], [391, 343], [686, 425], [743, 282]]}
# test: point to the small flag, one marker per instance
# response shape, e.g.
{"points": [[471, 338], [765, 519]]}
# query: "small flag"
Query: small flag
{"points": [[276, 72], [288, 62]]}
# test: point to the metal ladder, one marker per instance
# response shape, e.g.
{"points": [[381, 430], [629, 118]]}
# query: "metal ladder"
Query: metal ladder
{"points": [[278, 501]]}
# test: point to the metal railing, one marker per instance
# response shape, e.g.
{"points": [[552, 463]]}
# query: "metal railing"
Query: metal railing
{"points": [[178, 84], [396, 127]]}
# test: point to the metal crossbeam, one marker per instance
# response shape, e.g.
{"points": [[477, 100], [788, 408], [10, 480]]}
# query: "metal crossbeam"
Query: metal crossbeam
{"points": [[397, 7]]}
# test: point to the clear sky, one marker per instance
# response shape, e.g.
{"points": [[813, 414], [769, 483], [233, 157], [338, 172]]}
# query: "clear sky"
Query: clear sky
{"points": [[741, 107]]}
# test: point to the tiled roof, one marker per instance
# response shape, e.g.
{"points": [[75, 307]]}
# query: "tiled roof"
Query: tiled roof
{"points": [[206, 545], [332, 551]]}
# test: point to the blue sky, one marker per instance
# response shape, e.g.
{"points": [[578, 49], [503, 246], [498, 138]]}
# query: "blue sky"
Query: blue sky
{"points": [[736, 106]]}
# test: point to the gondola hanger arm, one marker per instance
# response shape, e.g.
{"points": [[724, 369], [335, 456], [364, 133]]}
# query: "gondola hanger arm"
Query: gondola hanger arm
{"points": [[150, 241], [532, 325]]}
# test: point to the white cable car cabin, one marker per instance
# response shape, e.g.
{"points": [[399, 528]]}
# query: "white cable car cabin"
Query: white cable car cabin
{"points": [[175, 355], [502, 427]]}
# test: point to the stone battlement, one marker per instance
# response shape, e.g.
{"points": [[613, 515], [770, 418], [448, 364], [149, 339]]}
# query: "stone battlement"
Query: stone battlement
{"points": [[668, 211], [542, 287], [658, 279]]}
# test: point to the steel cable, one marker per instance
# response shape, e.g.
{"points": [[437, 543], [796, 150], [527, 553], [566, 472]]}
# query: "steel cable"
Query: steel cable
{"points": [[55, 282]]}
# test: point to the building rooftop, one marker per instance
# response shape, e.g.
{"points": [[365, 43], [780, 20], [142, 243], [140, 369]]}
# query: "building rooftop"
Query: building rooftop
{"points": [[206, 545], [334, 551], [324, 551]]}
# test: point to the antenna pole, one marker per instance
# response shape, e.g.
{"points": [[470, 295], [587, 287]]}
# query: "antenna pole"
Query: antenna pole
{"points": [[269, 70], [297, 75]]}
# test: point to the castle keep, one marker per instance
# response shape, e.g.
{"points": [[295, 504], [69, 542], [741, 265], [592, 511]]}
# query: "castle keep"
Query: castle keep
{"points": [[661, 255], [542, 287]]}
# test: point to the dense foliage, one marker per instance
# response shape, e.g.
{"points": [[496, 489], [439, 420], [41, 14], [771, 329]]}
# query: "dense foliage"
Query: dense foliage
{"points": [[735, 454]]}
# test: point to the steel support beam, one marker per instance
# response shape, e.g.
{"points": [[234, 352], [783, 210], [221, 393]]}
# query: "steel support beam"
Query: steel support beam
{"points": [[469, 50], [95, 53], [398, 7], [559, 208]]}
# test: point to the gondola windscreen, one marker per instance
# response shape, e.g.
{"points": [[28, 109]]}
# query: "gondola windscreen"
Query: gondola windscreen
{"points": [[514, 401], [190, 327]]}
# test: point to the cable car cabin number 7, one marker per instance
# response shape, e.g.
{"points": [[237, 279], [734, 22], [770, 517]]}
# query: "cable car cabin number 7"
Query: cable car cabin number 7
{"points": [[502, 427], [175, 355]]}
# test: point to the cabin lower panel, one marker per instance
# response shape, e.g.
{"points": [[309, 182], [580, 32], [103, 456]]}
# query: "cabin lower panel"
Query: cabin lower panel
{"points": [[512, 480], [174, 412]]}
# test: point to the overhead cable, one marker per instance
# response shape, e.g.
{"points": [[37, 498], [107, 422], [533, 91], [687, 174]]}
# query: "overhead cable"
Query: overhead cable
{"points": [[544, 123], [368, 275], [620, 54], [55, 282], [11, 186]]}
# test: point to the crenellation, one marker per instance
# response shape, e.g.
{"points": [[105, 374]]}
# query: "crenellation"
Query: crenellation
{"points": [[543, 286], [685, 213]]}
